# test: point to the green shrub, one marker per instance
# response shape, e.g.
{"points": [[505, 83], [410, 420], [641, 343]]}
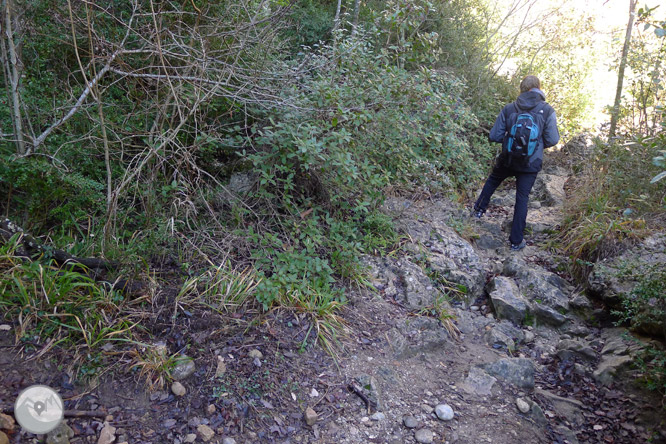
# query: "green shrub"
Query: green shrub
{"points": [[362, 125], [645, 306]]}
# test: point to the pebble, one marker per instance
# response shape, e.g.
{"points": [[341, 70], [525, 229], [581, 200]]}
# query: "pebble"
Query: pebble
{"points": [[379, 416], [190, 437], [178, 389], [107, 435], [221, 367], [444, 412], [6, 422], [60, 435], [184, 367], [255, 354], [410, 422], [210, 409], [206, 432], [310, 416], [228, 441], [3, 438], [424, 436], [529, 336], [426, 408], [522, 405]]}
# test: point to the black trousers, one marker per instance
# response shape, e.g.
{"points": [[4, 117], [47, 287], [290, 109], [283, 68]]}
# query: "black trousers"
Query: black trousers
{"points": [[524, 184]]}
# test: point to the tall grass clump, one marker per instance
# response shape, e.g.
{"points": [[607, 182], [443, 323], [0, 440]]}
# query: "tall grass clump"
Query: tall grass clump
{"points": [[612, 204], [56, 305]]}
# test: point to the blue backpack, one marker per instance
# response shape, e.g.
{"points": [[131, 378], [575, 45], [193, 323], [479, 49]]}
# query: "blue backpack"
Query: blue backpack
{"points": [[520, 141]]}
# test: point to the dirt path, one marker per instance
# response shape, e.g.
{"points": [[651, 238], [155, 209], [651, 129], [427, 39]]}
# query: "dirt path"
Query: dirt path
{"points": [[510, 373]]}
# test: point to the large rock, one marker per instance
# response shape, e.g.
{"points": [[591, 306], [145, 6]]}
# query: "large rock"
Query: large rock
{"points": [[507, 300], [613, 280], [447, 254], [478, 382], [368, 385], [549, 189], [547, 315], [418, 288], [242, 183], [451, 257], [610, 366], [401, 280], [569, 408], [538, 285], [620, 348], [504, 335], [570, 348], [515, 371], [412, 336]]}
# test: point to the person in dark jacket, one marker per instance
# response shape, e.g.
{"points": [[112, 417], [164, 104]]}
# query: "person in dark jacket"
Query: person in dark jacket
{"points": [[533, 101]]}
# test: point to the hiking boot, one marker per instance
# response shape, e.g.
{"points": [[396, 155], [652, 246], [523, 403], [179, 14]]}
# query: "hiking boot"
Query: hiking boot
{"points": [[520, 246], [477, 213]]}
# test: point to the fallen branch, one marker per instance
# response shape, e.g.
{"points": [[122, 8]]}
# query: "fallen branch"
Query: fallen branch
{"points": [[67, 413], [32, 249]]}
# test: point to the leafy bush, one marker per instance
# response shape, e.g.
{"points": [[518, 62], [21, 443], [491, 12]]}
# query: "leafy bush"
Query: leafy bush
{"points": [[360, 124]]}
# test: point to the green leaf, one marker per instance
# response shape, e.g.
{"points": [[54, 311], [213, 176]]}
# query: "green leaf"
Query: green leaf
{"points": [[658, 177]]}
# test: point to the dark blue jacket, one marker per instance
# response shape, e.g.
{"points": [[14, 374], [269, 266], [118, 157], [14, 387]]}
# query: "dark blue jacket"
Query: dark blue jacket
{"points": [[546, 117]]}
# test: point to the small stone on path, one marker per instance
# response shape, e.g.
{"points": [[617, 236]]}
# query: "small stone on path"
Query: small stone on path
{"points": [[3, 438], [228, 441], [424, 436], [210, 409], [205, 432], [183, 368], [529, 337], [379, 416], [178, 389], [522, 405], [410, 422], [221, 367], [190, 437], [310, 416], [60, 435], [255, 354], [6, 422], [444, 412], [107, 435]]}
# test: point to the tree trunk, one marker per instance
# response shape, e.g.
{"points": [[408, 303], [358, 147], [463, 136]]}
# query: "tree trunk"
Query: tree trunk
{"points": [[11, 61], [336, 20], [615, 113], [357, 7]]}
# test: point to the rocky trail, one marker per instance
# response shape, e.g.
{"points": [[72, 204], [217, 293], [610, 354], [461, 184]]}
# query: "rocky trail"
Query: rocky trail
{"points": [[523, 356]]}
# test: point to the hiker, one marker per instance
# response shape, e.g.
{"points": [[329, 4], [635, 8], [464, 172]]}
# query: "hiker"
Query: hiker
{"points": [[524, 128]]}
